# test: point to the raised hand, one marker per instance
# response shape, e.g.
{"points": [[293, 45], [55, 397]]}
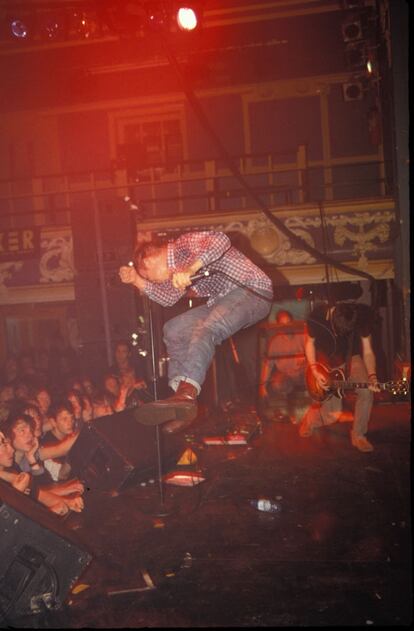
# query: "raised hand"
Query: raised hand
{"points": [[35, 446], [128, 274]]}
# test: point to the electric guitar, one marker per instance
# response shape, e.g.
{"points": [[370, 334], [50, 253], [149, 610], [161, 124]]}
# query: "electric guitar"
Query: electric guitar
{"points": [[337, 384]]}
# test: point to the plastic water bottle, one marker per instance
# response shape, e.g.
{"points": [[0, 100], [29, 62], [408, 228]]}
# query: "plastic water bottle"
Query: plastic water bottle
{"points": [[266, 505], [187, 560]]}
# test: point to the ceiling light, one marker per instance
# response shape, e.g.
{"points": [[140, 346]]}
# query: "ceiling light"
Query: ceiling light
{"points": [[187, 19]]}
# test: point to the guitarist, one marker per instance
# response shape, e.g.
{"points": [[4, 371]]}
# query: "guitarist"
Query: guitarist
{"points": [[340, 337]]}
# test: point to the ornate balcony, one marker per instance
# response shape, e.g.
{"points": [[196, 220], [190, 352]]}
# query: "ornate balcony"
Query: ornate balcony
{"points": [[344, 208]]}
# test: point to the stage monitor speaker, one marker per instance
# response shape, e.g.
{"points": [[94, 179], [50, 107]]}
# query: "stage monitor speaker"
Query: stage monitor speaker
{"points": [[115, 452], [40, 558]]}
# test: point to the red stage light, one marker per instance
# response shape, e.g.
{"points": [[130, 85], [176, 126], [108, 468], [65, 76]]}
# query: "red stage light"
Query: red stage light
{"points": [[187, 19]]}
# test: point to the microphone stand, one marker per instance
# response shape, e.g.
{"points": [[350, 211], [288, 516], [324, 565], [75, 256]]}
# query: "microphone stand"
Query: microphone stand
{"points": [[162, 512]]}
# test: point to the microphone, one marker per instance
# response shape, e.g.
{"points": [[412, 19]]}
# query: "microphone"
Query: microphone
{"points": [[199, 275]]}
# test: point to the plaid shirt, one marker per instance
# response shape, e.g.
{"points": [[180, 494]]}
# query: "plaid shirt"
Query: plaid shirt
{"points": [[218, 255]]}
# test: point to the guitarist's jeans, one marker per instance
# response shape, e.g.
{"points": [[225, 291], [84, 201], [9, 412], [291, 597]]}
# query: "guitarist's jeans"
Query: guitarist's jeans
{"points": [[191, 337], [330, 410]]}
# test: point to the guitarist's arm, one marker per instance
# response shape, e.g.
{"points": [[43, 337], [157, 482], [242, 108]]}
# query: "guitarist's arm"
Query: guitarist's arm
{"points": [[310, 353], [267, 365], [368, 356]]}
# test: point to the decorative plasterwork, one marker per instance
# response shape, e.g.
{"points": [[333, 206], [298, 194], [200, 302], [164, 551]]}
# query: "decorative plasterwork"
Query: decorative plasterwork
{"points": [[272, 244], [363, 231], [6, 271], [24, 281], [363, 238], [56, 263]]}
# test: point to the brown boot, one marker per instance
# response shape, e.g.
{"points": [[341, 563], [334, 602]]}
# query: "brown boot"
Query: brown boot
{"points": [[182, 406]]}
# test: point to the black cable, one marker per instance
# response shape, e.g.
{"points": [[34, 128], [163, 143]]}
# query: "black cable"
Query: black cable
{"points": [[295, 239], [54, 579], [324, 239]]}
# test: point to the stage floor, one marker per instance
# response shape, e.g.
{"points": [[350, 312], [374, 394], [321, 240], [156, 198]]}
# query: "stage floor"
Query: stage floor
{"points": [[336, 553]]}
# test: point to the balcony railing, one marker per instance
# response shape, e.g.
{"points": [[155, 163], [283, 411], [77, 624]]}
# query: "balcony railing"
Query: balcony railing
{"points": [[196, 187]]}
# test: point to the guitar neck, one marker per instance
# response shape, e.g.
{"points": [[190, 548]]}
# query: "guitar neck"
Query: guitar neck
{"points": [[351, 385]]}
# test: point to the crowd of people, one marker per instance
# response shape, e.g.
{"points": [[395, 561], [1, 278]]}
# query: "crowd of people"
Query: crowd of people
{"points": [[41, 418]]}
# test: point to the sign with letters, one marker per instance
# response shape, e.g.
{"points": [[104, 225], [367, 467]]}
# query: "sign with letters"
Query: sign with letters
{"points": [[19, 243]]}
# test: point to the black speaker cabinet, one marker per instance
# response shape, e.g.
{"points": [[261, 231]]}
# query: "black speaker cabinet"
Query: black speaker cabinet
{"points": [[40, 558], [115, 452]]}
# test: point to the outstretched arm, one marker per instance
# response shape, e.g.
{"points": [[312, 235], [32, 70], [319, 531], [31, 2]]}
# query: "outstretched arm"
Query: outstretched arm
{"points": [[267, 365], [310, 353], [368, 356], [58, 450]]}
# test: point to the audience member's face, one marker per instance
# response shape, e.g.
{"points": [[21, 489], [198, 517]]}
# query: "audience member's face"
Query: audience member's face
{"points": [[112, 385], [21, 391], [88, 386], [6, 394], [37, 419], [121, 354], [44, 400], [6, 451], [64, 423], [23, 437], [284, 319], [77, 407]]}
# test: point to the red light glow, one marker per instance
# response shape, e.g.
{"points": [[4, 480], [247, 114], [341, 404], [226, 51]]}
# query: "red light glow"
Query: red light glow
{"points": [[186, 19]]}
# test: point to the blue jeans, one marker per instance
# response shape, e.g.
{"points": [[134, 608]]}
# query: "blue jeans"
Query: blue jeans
{"points": [[191, 337]]}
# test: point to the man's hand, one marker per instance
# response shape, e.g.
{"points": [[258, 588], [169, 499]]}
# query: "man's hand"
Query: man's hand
{"points": [[373, 383], [75, 503], [320, 378], [181, 280], [128, 274], [60, 508], [30, 455], [21, 481]]}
